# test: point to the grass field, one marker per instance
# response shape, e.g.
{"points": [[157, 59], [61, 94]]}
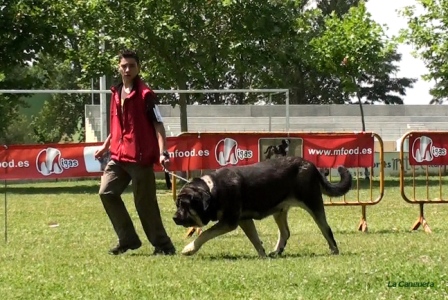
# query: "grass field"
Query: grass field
{"points": [[70, 261]]}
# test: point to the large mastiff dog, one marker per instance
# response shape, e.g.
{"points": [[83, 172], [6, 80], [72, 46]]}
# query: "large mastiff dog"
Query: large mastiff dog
{"points": [[235, 196]]}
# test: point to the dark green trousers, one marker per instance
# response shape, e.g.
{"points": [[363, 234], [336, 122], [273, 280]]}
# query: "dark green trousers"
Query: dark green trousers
{"points": [[115, 179]]}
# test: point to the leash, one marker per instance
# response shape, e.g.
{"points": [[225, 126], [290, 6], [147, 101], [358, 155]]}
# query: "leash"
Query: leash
{"points": [[173, 174]]}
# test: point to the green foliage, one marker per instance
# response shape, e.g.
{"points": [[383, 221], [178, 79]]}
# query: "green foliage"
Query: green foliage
{"points": [[382, 85], [28, 27], [427, 33], [62, 115], [18, 132], [351, 46], [10, 104]]}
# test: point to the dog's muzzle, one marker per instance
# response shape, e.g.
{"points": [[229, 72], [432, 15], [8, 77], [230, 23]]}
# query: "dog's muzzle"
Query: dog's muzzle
{"points": [[183, 219]]}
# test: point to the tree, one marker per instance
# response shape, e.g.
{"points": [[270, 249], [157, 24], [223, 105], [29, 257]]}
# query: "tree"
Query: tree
{"points": [[354, 49], [382, 86], [28, 27], [427, 33], [62, 116]]}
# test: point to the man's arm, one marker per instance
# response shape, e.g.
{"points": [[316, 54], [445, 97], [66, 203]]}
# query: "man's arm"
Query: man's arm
{"points": [[157, 120], [106, 143], [161, 136]]}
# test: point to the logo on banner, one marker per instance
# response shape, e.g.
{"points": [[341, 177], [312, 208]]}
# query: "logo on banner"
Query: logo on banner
{"points": [[423, 149], [50, 161], [227, 152]]}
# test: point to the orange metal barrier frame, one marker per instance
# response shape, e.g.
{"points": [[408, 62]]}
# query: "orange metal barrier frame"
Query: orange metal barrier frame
{"points": [[421, 221], [363, 222]]}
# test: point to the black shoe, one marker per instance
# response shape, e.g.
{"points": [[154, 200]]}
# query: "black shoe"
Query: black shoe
{"points": [[120, 249], [164, 251]]}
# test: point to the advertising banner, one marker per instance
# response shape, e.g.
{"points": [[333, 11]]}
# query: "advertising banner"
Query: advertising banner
{"points": [[331, 151], [428, 148], [191, 151]]}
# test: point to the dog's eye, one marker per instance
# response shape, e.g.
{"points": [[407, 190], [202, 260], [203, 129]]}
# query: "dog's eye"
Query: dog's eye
{"points": [[184, 202]]}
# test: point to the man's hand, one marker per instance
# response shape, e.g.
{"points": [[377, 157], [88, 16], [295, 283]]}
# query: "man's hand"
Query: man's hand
{"points": [[100, 152], [165, 159], [103, 149]]}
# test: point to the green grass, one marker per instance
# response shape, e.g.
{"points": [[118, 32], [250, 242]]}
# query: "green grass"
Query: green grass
{"points": [[71, 261]]}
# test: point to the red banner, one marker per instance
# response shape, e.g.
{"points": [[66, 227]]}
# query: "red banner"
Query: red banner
{"points": [[428, 148], [49, 161], [191, 152], [330, 151], [213, 151]]}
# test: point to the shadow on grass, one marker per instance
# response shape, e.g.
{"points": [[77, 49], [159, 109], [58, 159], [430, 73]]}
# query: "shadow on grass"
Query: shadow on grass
{"points": [[381, 232], [76, 188], [286, 255], [234, 257]]}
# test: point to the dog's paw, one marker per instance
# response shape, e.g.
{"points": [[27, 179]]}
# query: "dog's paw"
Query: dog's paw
{"points": [[335, 251], [189, 249], [276, 253], [262, 253]]}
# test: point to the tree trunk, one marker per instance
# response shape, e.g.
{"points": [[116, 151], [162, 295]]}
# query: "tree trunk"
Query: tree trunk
{"points": [[361, 109], [183, 100], [362, 112]]}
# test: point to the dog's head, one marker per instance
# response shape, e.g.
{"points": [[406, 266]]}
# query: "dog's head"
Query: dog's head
{"points": [[192, 204], [286, 142]]}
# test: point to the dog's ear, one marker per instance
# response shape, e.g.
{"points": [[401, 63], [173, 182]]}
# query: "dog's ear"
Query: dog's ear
{"points": [[206, 199]]}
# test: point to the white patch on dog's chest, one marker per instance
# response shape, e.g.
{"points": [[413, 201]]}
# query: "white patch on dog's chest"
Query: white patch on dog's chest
{"points": [[208, 181]]}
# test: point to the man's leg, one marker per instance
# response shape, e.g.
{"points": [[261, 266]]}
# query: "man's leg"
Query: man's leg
{"points": [[144, 187], [113, 182]]}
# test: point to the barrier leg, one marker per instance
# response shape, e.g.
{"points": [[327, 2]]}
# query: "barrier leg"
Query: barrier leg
{"points": [[421, 221], [174, 187], [363, 223], [6, 214]]}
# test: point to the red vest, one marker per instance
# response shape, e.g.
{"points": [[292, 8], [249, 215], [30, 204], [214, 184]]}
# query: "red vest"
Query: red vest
{"points": [[133, 137]]}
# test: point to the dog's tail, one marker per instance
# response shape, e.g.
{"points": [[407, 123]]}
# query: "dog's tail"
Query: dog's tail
{"points": [[337, 189], [268, 149]]}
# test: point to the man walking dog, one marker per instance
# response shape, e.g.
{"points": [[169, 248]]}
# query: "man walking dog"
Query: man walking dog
{"points": [[136, 142]]}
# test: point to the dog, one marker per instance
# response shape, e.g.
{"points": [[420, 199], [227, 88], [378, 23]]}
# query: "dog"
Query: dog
{"points": [[278, 150], [235, 196]]}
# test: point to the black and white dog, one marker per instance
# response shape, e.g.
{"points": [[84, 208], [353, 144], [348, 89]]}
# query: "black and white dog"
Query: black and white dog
{"points": [[235, 196], [278, 150]]}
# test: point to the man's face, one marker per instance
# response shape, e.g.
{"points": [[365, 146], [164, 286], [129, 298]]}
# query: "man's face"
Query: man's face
{"points": [[128, 68]]}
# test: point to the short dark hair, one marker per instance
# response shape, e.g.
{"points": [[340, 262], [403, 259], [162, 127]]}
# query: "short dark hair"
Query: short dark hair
{"points": [[127, 53]]}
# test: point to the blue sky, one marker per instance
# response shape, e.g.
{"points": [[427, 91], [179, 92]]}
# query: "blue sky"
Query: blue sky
{"points": [[385, 12]]}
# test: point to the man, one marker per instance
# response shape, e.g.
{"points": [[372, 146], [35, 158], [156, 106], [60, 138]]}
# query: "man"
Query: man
{"points": [[136, 142]]}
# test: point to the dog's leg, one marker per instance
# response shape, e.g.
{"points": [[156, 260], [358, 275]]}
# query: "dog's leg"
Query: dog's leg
{"points": [[192, 230], [212, 232], [281, 219], [249, 229], [318, 214]]}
